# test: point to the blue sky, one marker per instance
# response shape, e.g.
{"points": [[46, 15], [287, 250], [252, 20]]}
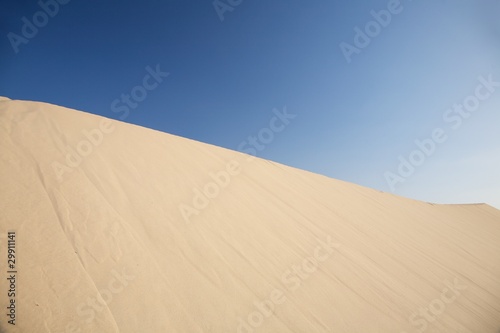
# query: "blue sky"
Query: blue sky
{"points": [[354, 119]]}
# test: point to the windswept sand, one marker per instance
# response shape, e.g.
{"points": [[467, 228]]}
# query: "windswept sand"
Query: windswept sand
{"points": [[105, 248]]}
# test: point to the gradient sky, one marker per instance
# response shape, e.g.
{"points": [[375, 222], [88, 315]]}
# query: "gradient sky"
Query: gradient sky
{"points": [[353, 120]]}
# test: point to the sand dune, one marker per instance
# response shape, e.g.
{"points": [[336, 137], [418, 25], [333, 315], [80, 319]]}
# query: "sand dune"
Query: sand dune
{"points": [[120, 228]]}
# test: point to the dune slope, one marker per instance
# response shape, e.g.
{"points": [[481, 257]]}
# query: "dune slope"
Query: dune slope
{"points": [[119, 228]]}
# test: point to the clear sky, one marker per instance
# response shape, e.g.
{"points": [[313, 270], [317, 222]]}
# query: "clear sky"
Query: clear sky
{"points": [[363, 86]]}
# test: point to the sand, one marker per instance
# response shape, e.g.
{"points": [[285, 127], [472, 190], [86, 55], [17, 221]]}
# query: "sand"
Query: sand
{"points": [[120, 228]]}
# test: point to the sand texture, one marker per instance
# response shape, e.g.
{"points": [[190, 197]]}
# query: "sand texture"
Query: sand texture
{"points": [[151, 232]]}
